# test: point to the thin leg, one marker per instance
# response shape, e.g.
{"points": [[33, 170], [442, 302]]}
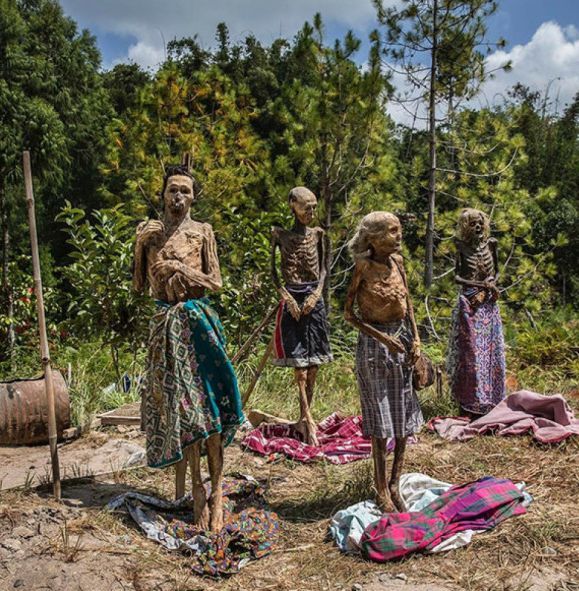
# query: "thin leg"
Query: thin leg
{"points": [[180, 473], [200, 509], [215, 461], [311, 383], [379, 452], [397, 472], [306, 424]]}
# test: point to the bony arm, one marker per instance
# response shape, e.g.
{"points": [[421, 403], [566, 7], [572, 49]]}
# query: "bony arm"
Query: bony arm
{"points": [[146, 231], [393, 344], [292, 305], [313, 298]]}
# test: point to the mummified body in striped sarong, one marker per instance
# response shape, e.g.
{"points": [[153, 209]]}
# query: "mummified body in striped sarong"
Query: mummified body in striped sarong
{"points": [[388, 347]]}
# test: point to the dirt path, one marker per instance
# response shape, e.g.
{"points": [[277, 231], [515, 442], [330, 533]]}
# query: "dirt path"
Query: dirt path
{"points": [[77, 546]]}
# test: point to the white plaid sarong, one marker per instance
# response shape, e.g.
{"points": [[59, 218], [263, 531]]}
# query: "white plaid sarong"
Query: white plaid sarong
{"points": [[389, 403]]}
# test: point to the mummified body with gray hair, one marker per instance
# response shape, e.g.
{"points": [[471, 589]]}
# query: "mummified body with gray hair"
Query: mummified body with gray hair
{"points": [[301, 334], [388, 347], [476, 358]]}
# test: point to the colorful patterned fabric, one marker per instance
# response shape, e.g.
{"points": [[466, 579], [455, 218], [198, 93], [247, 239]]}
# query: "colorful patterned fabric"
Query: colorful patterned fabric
{"points": [[190, 390], [478, 505], [548, 418], [340, 438], [302, 343], [389, 403], [476, 361], [250, 531]]}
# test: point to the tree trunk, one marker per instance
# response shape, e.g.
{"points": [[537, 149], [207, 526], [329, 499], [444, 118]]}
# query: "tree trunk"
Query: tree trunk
{"points": [[327, 197], [7, 294], [429, 258]]}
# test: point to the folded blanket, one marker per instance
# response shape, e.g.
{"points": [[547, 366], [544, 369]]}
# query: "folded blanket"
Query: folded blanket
{"points": [[548, 418], [340, 438], [478, 505]]}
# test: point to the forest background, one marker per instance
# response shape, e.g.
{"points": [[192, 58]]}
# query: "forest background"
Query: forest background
{"points": [[258, 120]]}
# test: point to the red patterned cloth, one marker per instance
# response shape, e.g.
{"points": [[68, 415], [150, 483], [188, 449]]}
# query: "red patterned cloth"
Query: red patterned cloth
{"points": [[340, 438], [478, 505]]}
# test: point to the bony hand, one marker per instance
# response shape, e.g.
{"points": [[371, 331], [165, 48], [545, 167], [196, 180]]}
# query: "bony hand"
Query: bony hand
{"points": [[293, 308], [311, 302], [150, 229], [415, 352], [394, 345], [164, 268]]}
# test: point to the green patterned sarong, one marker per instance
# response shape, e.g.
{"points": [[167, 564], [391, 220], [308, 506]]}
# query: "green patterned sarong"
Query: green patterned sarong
{"points": [[190, 390]]}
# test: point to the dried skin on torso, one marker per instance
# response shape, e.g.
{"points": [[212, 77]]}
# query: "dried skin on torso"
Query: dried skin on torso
{"points": [[381, 295], [475, 263], [299, 255], [185, 245]]}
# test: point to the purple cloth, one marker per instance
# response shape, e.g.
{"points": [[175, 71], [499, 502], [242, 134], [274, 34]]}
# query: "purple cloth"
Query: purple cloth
{"points": [[478, 505], [549, 418], [476, 360]]}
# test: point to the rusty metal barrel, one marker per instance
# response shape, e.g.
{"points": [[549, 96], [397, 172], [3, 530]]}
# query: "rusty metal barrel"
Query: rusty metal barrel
{"points": [[24, 410]]}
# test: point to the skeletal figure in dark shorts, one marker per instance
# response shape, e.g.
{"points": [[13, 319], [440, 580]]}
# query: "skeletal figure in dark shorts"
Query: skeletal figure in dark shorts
{"points": [[301, 337], [388, 347]]}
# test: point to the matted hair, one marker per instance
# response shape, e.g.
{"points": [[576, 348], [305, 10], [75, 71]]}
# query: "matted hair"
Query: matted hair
{"points": [[298, 192], [175, 170], [370, 226], [463, 231]]}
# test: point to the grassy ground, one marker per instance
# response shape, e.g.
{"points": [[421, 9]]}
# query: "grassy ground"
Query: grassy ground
{"points": [[86, 548]]}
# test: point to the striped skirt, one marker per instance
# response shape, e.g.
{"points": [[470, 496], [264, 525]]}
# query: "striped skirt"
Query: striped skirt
{"points": [[389, 403]]}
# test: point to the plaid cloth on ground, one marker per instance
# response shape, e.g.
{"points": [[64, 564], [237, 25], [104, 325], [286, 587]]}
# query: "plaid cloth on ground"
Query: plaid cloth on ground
{"points": [[340, 438], [478, 505], [389, 404], [305, 342], [249, 532]]}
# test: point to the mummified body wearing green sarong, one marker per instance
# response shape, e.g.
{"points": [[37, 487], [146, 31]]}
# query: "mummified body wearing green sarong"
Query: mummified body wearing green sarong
{"points": [[190, 394]]}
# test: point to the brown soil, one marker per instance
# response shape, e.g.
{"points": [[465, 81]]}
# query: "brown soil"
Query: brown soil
{"points": [[78, 546]]}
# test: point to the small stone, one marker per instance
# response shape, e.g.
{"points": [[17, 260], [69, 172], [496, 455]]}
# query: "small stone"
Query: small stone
{"points": [[357, 587], [401, 576], [76, 503], [384, 578], [23, 532], [548, 551], [12, 544], [18, 583]]}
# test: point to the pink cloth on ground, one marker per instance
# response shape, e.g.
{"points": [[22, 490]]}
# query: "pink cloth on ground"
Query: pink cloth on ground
{"points": [[340, 438], [549, 418]]}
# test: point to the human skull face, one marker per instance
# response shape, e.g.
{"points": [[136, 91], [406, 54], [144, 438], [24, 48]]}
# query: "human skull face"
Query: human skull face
{"points": [[178, 195], [389, 241], [304, 207], [473, 226]]}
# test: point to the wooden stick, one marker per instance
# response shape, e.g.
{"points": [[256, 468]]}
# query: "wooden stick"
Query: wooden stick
{"points": [[245, 348], [258, 371], [44, 352]]}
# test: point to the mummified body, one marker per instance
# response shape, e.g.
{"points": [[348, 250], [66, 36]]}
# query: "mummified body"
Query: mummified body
{"points": [[301, 336], [190, 392], [388, 347], [476, 362]]}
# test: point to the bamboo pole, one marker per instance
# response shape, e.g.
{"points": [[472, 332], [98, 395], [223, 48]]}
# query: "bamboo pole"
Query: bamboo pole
{"points": [[258, 372], [44, 352], [240, 355]]}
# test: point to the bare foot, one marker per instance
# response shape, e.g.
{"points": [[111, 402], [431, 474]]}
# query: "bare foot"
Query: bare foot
{"points": [[216, 510], [395, 496], [200, 509], [385, 503], [308, 430]]}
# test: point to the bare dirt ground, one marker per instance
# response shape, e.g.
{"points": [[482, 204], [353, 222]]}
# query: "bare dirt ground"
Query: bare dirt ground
{"points": [[79, 546]]}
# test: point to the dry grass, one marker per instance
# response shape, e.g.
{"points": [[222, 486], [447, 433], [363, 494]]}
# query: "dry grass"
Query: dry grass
{"points": [[505, 559]]}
